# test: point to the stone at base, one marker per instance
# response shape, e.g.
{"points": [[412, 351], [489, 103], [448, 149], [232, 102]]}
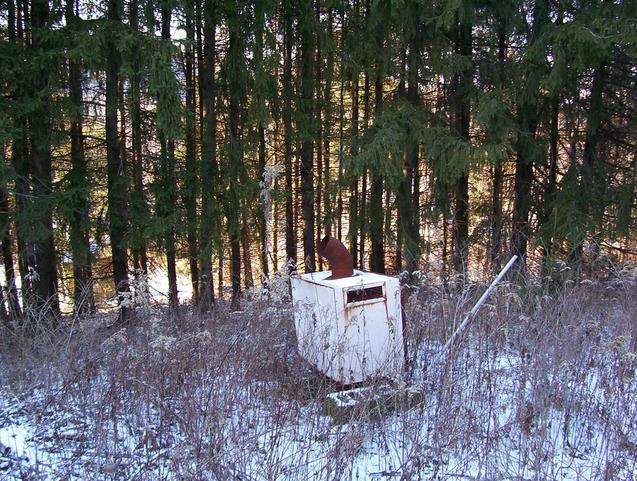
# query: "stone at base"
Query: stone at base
{"points": [[371, 403]]}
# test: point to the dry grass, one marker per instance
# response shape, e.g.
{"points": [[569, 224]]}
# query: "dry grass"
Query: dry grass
{"points": [[541, 386]]}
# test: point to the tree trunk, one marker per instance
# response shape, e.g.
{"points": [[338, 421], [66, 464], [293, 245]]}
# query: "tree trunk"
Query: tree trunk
{"points": [[45, 284], [235, 208], [341, 145], [524, 146], [4, 315], [275, 234], [408, 229], [191, 185], [220, 268], [377, 258], [412, 242], [592, 166], [139, 207], [495, 248], [363, 216], [328, 219], [306, 132], [318, 136], [167, 200], [445, 248], [264, 214], [290, 234], [522, 201], [11, 11], [592, 174], [353, 195], [84, 301], [6, 244], [374, 219], [462, 112], [116, 170], [408, 195], [551, 184], [245, 247], [235, 266], [209, 171], [496, 218], [377, 255], [21, 18], [19, 159]]}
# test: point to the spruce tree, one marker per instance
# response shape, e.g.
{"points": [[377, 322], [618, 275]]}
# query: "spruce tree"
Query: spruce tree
{"points": [[306, 127], [166, 89], [191, 187], [116, 170], [43, 268], [83, 297], [288, 94], [139, 211], [208, 232], [526, 149]]}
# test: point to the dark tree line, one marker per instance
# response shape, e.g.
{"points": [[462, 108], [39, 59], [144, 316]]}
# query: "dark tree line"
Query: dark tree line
{"points": [[423, 134]]}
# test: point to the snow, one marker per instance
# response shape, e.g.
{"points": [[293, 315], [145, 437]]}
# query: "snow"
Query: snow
{"points": [[14, 438], [311, 446], [169, 401]]}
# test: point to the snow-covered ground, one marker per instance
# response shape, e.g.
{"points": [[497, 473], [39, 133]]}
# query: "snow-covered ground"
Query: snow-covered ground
{"points": [[541, 387]]}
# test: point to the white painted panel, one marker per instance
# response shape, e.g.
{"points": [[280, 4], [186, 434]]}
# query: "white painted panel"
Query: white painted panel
{"points": [[349, 342]]}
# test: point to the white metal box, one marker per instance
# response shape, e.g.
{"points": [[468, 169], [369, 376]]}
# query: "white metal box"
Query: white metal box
{"points": [[349, 328]]}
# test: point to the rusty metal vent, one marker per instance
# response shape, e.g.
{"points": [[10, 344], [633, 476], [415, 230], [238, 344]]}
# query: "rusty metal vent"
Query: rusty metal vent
{"points": [[364, 294]]}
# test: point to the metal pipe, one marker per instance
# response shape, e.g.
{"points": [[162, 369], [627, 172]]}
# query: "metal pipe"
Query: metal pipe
{"points": [[338, 256], [475, 309]]}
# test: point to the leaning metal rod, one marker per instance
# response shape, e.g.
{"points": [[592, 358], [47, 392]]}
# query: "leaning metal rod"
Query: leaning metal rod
{"points": [[475, 309]]}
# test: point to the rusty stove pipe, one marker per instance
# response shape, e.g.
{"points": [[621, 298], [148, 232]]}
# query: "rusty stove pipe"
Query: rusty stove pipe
{"points": [[338, 256]]}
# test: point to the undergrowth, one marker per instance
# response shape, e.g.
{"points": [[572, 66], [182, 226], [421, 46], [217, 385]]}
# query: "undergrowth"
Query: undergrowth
{"points": [[541, 386]]}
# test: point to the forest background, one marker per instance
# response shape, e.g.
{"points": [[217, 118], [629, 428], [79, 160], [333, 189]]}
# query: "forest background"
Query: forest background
{"points": [[221, 139]]}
